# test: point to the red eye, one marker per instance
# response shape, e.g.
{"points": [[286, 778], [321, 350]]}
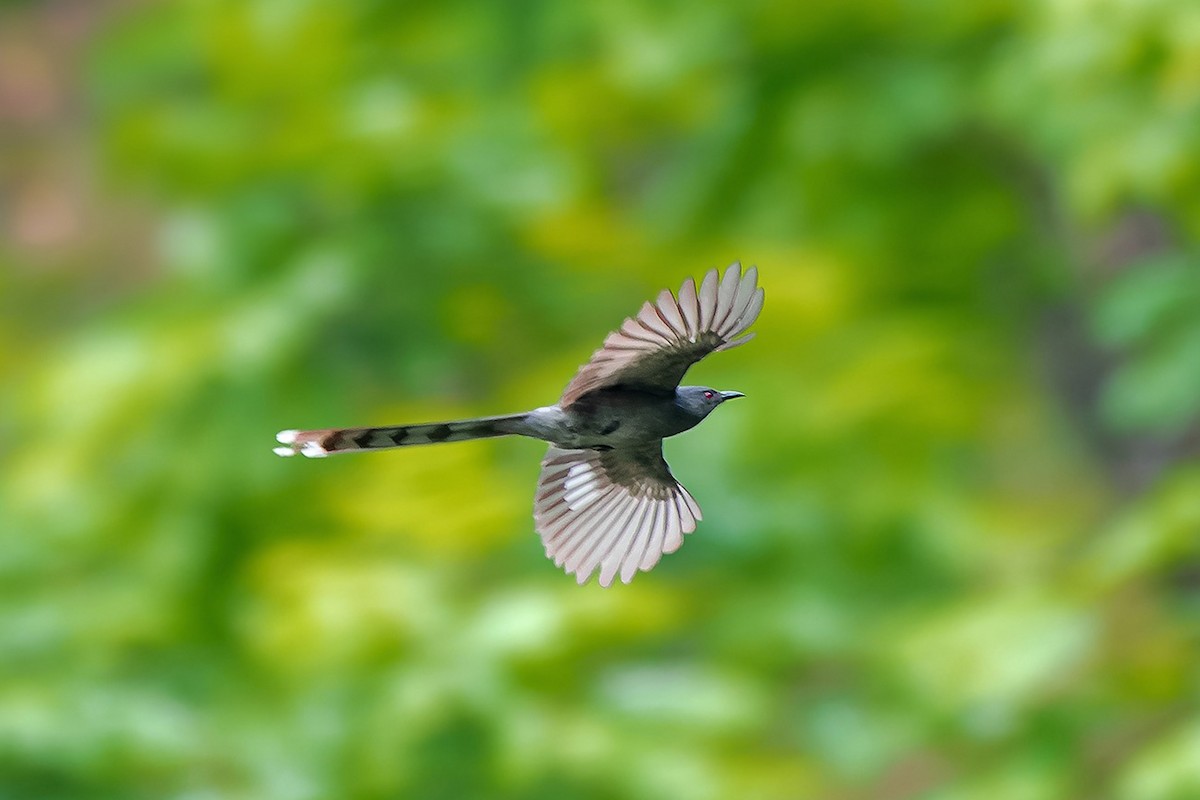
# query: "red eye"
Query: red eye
{"points": [[708, 395]]}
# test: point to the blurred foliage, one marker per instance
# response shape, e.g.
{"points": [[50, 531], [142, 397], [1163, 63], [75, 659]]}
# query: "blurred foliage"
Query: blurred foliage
{"points": [[952, 539]]}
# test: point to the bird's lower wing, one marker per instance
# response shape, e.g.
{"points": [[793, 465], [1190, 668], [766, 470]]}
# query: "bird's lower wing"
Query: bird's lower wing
{"points": [[618, 510], [654, 349]]}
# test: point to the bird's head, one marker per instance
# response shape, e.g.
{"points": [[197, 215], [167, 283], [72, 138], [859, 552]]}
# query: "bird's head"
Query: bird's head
{"points": [[701, 400]]}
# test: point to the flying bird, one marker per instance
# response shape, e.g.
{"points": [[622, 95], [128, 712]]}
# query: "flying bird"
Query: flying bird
{"points": [[606, 498]]}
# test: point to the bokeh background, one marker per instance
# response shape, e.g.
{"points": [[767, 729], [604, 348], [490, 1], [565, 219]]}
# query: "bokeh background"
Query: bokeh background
{"points": [[952, 537]]}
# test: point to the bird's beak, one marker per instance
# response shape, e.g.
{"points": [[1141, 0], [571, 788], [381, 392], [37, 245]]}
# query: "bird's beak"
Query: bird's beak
{"points": [[730, 395]]}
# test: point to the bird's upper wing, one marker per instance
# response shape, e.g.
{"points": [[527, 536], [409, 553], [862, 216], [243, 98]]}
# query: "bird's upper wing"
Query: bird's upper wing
{"points": [[618, 510], [654, 349]]}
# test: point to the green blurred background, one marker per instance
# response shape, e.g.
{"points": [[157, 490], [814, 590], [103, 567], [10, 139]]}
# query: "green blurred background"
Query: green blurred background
{"points": [[952, 538]]}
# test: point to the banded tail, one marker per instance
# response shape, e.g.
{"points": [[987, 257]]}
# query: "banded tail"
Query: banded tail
{"points": [[320, 443]]}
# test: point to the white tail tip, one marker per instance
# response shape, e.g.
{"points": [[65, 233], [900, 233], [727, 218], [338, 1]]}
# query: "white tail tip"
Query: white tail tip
{"points": [[284, 451], [286, 437], [313, 450]]}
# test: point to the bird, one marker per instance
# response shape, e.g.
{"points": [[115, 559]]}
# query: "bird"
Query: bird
{"points": [[606, 499]]}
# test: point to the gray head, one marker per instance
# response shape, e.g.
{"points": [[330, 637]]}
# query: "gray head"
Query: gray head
{"points": [[701, 400]]}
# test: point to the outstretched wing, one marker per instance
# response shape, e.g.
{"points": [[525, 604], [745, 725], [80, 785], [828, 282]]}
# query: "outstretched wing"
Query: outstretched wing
{"points": [[653, 350], [617, 510]]}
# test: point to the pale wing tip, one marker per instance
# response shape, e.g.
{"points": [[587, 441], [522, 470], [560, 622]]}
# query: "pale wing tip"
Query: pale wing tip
{"points": [[287, 437], [285, 452]]}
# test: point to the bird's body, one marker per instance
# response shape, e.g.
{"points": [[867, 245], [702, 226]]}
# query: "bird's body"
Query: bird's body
{"points": [[606, 498], [623, 417], [605, 419]]}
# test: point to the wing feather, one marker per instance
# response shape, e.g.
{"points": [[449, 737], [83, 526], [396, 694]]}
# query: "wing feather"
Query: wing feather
{"points": [[708, 299], [654, 549], [641, 542], [693, 506], [689, 307], [575, 531], [654, 349], [737, 305], [755, 306], [651, 320], [606, 540], [590, 532], [635, 530], [668, 309], [727, 294], [673, 536], [617, 511], [638, 332]]}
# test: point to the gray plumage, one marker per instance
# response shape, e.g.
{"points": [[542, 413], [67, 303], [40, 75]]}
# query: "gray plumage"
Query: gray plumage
{"points": [[606, 498]]}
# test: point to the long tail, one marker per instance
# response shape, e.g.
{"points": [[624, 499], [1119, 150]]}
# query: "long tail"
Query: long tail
{"points": [[320, 443]]}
